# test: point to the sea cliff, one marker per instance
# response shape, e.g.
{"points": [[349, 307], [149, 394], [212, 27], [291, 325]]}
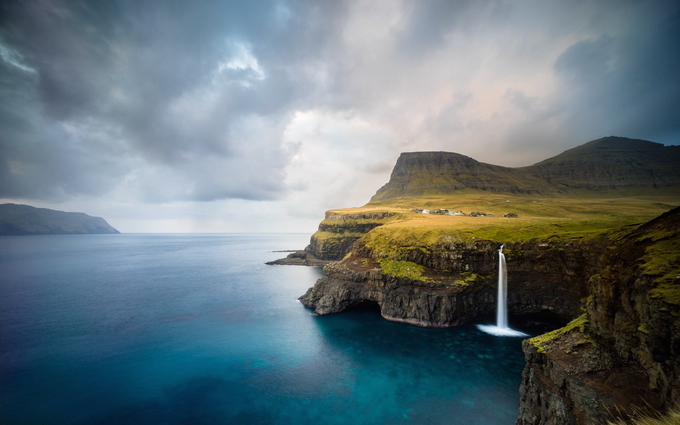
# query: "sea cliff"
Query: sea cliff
{"points": [[620, 354], [452, 282], [581, 242]]}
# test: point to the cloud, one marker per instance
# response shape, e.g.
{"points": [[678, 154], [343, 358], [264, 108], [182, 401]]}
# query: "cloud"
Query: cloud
{"points": [[625, 83], [178, 91], [305, 105]]}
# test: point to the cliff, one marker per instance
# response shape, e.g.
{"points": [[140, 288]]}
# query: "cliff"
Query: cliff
{"points": [[450, 282], [621, 357], [336, 236], [610, 168], [27, 220]]}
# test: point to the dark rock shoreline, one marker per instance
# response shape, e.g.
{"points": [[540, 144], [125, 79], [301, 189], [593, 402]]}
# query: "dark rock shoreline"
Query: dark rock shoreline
{"points": [[299, 258]]}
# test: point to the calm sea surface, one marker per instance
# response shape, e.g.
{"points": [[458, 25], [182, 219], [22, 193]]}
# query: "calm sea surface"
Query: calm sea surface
{"points": [[196, 329]]}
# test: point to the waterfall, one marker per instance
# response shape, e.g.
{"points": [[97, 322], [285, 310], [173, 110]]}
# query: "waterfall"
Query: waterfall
{"points": [[501, 328], [501, 311]]}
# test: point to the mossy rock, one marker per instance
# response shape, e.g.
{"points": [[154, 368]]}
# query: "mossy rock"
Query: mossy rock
{"points": [[581, 323]]}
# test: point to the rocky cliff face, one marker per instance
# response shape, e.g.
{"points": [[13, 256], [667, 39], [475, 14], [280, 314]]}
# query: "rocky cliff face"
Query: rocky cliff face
{"points": [[457, 282], [338, 232], [358, 281], [623, 354], [620, 354]]}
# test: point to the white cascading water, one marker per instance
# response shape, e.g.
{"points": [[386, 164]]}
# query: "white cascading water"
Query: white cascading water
{"points": [[501, 312], [501, 328]]}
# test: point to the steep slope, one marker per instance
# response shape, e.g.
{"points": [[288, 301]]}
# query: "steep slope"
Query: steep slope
{"points": [[27, 220], [611, 163], [427, 173], [607, 164]]}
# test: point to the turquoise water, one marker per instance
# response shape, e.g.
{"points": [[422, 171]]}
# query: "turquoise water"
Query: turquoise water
{"points": [[195, 329]]}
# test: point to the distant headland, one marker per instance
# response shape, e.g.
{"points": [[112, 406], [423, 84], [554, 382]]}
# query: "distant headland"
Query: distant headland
{"points": [[16, 219]]}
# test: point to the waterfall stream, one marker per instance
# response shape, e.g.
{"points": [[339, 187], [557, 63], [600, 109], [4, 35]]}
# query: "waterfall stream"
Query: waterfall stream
{"points": [[501, 328], [501, 310]]}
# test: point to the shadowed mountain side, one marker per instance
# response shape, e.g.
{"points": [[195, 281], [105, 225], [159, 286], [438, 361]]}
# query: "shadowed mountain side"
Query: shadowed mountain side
{"points": [[610, 163], [27, 220]]}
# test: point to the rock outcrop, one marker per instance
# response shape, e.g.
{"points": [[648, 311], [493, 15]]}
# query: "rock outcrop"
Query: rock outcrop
{"points": [[335, 237], [27, 220], [299, 258], [357, 282]]}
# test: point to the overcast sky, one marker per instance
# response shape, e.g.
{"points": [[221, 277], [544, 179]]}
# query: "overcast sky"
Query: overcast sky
{"points": [[258, 116]]}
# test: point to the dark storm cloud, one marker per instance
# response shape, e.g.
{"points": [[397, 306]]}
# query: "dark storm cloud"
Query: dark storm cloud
{"points": [[167, 82], [628, 84]]}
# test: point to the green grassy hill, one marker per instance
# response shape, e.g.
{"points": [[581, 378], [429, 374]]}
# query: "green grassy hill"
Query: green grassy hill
{"points": [[607, 167]]}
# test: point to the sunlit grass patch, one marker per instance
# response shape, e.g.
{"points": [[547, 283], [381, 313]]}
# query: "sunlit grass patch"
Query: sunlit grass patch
{"points": [[398, 268]]}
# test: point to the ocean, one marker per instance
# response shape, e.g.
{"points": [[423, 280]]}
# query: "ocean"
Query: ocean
{"points": [[196, 329]]}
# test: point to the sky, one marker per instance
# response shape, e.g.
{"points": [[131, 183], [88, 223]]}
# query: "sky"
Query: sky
{"points": [[258, 116]]}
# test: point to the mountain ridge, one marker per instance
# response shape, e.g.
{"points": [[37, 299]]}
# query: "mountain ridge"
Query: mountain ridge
{"points": [[18, 219], [605, 164]]}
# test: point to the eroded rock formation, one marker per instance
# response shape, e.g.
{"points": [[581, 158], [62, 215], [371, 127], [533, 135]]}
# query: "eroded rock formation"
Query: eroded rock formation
{"points": [[620, 355]]}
